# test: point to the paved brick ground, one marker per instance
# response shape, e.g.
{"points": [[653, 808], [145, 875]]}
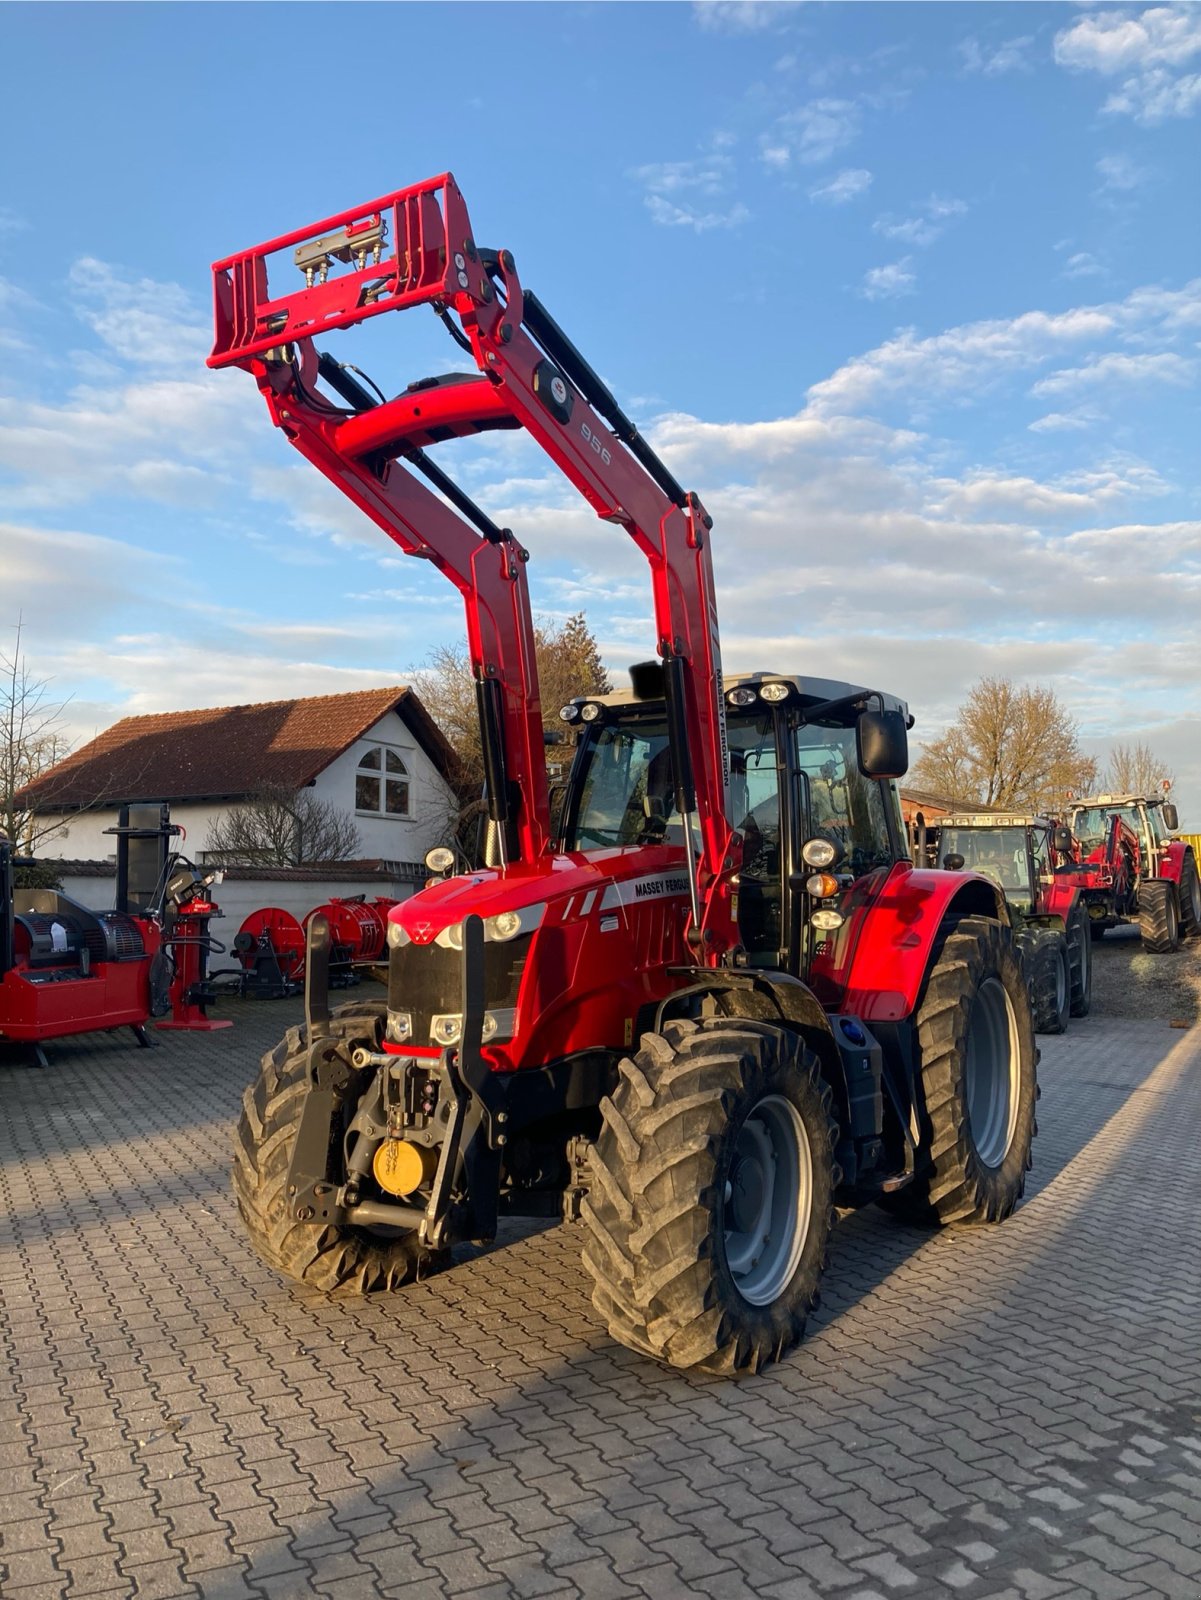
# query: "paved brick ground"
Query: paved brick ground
{"points": [[1005, 1414]]}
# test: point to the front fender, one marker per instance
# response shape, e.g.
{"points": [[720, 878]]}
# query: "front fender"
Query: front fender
{"points": [[1175, 854], [900, 927]]}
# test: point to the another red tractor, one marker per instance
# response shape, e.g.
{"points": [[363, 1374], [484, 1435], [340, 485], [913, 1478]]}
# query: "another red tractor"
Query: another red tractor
{"points": [[1018, 853], [715, 1000], [1127, 867]]}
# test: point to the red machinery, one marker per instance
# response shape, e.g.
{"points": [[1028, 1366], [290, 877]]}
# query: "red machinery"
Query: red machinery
{"points": [[1127, 867], [357, 928], [270, 950], [187, 911], [66, 970], [721, 998]]}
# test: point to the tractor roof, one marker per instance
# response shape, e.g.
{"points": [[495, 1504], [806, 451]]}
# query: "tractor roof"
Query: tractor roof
{"points": [[1119, 800], [815, 691], [993, 819]]}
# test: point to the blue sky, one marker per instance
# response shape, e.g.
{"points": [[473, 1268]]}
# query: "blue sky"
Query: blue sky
{"points": [[909, 293]]}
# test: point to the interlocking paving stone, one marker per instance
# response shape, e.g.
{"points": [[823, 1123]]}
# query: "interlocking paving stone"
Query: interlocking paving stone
{"points": [[997, 1414]]}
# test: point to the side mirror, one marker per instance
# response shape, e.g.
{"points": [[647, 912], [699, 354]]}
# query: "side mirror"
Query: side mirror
{"points": [[1062, 841], [1171, 817], [953, 863], [882, 744]]}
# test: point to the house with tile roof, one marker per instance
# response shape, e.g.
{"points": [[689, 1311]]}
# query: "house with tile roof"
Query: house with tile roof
{"points": [[375, 753]]}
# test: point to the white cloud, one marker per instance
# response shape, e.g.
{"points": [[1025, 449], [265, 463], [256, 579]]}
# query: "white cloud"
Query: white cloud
{"points": [[1064, 421], [810, 134], [1163, 366], [672, 188], [1082, 265], [846, 185], [741, 16], [890, 282], [993, 60], [1121, 172], [974, 357], [1151, 47], [671, 215], [927, 222]]}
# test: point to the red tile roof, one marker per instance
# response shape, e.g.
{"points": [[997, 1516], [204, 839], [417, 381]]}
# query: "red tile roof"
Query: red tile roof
{"points": [[227, 752]]}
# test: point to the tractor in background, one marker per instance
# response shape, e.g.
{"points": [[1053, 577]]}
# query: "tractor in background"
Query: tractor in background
{"points": [[1128, 867], [709, 1002], [1052, 928]]}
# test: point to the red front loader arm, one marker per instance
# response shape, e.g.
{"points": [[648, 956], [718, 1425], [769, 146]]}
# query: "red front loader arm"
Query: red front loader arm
{"points": [[416, 247]]}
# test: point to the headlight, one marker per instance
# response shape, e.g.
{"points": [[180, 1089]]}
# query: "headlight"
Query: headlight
{"points": [[819, 853], [447, 1029], [440, 859], [742, 697], [822, 885], [591, 711], [773, 693], [398, 1027], [505, 925], [569, 713], [826, 920], [396, 936]]}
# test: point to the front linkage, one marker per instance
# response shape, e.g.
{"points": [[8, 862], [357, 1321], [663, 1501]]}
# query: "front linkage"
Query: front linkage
{"points": [[466, 1115]]}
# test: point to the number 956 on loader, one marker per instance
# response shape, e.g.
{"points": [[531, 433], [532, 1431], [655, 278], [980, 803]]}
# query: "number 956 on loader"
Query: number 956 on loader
{"points": [[708, 1004]]}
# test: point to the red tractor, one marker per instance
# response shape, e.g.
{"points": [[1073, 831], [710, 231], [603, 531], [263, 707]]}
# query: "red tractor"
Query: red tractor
{"points": [[1127, 867], [1052, 928], [714, 1000]]}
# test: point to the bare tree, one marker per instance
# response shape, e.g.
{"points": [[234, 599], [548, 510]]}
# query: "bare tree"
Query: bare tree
{"points": [[569, 663], [1136, 769], [283, 828], [31, 742], [1010, 746]]}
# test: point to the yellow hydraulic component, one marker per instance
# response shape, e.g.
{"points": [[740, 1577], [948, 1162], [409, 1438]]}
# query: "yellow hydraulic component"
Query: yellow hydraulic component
{"points": [[401, 1167]]}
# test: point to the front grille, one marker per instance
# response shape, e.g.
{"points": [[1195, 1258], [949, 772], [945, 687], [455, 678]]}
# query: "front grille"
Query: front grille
{"points": [[426, 980]]}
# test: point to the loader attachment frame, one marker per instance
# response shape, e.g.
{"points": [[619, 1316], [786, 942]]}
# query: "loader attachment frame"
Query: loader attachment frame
{"points": [[416, 247]]}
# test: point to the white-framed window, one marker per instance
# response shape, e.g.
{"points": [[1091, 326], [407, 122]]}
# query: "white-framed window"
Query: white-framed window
{"points": [[382, 784]]}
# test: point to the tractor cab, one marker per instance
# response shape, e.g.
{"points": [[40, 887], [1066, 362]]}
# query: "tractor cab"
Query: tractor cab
{"points": [[1152, 819], [812, 797], [1015, 852]]}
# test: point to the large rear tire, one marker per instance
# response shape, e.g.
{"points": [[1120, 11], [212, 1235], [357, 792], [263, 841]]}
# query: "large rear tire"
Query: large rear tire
{"points": [[1190, 900], [336, 1260], [712, 1197], [1158, 916], [1080, 950], [978, 1079]]}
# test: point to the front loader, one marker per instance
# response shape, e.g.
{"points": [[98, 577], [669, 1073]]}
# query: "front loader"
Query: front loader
{"points": [[1128, 867], [714, 1000]]}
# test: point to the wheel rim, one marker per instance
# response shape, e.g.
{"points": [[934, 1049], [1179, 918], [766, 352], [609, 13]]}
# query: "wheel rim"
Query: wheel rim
{"points": [[1061, 981], [768, 1200], [993, 1066]]}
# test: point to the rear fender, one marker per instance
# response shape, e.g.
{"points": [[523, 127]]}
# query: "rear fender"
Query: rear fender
{"points": [[1171, 862], [901, 929], [1060, 900]]}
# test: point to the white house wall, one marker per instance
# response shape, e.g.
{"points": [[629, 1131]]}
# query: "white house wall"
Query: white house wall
{"points": [[430, 800], [82, 836], [238, 897]]}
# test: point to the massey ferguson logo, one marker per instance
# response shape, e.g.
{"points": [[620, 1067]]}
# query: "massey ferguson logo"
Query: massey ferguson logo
{"points": [[656, 888]]}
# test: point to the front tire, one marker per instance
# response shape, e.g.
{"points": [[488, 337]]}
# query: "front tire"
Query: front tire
{"points": [[1080, 949], [1158, 917], [336, 1260], [978, 1079], [712, 1199], [1049, 974]]}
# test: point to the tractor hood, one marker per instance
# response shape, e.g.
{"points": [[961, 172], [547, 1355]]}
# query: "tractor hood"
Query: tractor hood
{"points": [[660, 870]]}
